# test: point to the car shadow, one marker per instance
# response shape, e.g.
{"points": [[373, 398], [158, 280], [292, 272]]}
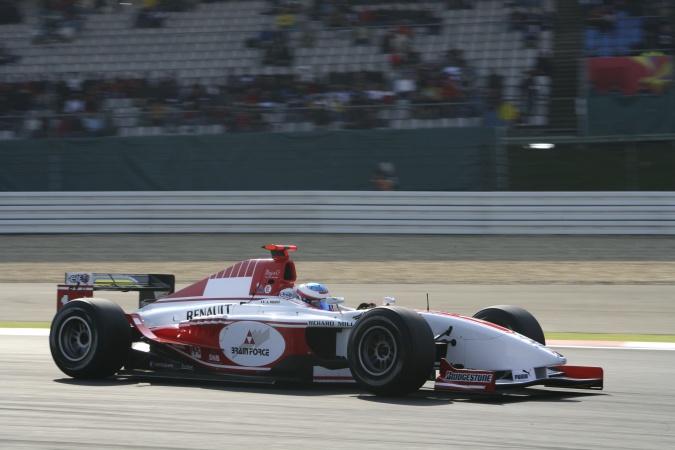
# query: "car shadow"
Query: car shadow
{"points": [[425, 396], [508, 397]]}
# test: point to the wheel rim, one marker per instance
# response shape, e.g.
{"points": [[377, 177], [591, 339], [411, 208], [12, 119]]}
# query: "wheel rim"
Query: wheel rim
{"points": [[377, 351], [75, 339]]}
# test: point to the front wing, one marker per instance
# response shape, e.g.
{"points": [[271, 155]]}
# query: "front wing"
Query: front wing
{"points": [[467, 380]]}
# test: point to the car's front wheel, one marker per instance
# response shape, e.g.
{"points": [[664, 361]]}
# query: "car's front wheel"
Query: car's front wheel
{"points": [[391, 351], [90, 338]]}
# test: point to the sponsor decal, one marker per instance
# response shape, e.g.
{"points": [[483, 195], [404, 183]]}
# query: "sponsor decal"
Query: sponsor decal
{"points": [[161, 365], [166, 365], [251, 343], [216, 310], [78, 278], [287, 294], [270, 302], [213, 357], [249, 346], [268, 289], [272, 273], [522, 375], [328, 323], [468, 377], [196, 352]]}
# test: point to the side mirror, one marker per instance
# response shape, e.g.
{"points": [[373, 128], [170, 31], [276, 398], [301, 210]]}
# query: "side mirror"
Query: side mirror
{"points": [[334, 300]]}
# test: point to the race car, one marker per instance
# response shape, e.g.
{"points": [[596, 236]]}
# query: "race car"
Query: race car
{"points": [[252, 323]]}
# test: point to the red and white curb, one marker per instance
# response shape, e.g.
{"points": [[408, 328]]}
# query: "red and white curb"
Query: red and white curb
{"points": [[551, 343]]}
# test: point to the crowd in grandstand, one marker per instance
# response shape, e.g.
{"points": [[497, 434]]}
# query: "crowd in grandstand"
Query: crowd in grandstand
{"points": [[238, 103], [446, 88], [449, 87], [628, 27]]}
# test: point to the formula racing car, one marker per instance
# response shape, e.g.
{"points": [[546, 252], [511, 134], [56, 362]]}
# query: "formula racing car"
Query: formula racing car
{"points": [[251, 322]]}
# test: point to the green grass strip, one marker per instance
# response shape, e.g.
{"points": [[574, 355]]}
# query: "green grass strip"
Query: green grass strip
{"points": [[25, 324], [610, 337]]}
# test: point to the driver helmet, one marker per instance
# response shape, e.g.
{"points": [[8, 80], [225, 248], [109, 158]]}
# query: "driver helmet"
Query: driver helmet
{"points": [[313, 294]]}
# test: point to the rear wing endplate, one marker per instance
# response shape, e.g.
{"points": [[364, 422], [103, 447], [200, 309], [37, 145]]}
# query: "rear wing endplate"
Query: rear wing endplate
{"points": [[150, 287]]}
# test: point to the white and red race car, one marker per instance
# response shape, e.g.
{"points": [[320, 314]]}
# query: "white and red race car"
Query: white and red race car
{"points": [[251, 323]]}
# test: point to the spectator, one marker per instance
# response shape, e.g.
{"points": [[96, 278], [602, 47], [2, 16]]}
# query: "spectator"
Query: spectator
{"points": [[307, 35], [405, 84], [508, 113], [158, 113], [58, 21], [515, 18], [285, 21], [9, 12], [93, 125], [151, 15], [278, 54], [491, 113], [532, 29], [459, 4], [384, 177], [75, 104], [529, 93], [6, 57], [362, 36], [35, 126], [544, 64], [495, 85]]}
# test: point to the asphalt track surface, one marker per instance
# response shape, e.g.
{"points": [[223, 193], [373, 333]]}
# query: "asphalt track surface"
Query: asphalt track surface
{"points": [[572, 284], [41, 408]]}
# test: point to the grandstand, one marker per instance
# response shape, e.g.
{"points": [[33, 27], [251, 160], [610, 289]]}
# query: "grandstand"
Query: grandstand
{"points": [[210, 45]]}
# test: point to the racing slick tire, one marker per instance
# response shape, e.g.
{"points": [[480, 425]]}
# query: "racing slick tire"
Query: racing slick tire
{"points": [[391, 351], [90, 338], [514, 318]]}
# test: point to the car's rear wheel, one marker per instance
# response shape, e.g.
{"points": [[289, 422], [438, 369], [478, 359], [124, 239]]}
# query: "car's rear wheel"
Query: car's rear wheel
{"points": [[514, 318], [391, 351], [90, 338]]}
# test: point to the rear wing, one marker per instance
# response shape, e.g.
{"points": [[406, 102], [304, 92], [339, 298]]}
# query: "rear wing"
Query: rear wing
{"points": [[150, 287]]}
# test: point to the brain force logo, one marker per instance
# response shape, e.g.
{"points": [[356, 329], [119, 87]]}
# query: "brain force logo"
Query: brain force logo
{"points": [[251, 343]]}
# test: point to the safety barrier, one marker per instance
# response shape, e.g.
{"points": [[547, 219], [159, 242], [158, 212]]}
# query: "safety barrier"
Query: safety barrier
{"points": [[339, 212]]}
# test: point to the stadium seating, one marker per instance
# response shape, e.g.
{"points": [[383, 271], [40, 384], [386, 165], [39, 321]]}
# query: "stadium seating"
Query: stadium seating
{"points": [[210, 42]]}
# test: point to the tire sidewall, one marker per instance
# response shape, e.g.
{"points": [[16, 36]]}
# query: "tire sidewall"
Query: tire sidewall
{"points": [[76, 311], [358, 342], [514, 318], [109, 341], [415, 351]]}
